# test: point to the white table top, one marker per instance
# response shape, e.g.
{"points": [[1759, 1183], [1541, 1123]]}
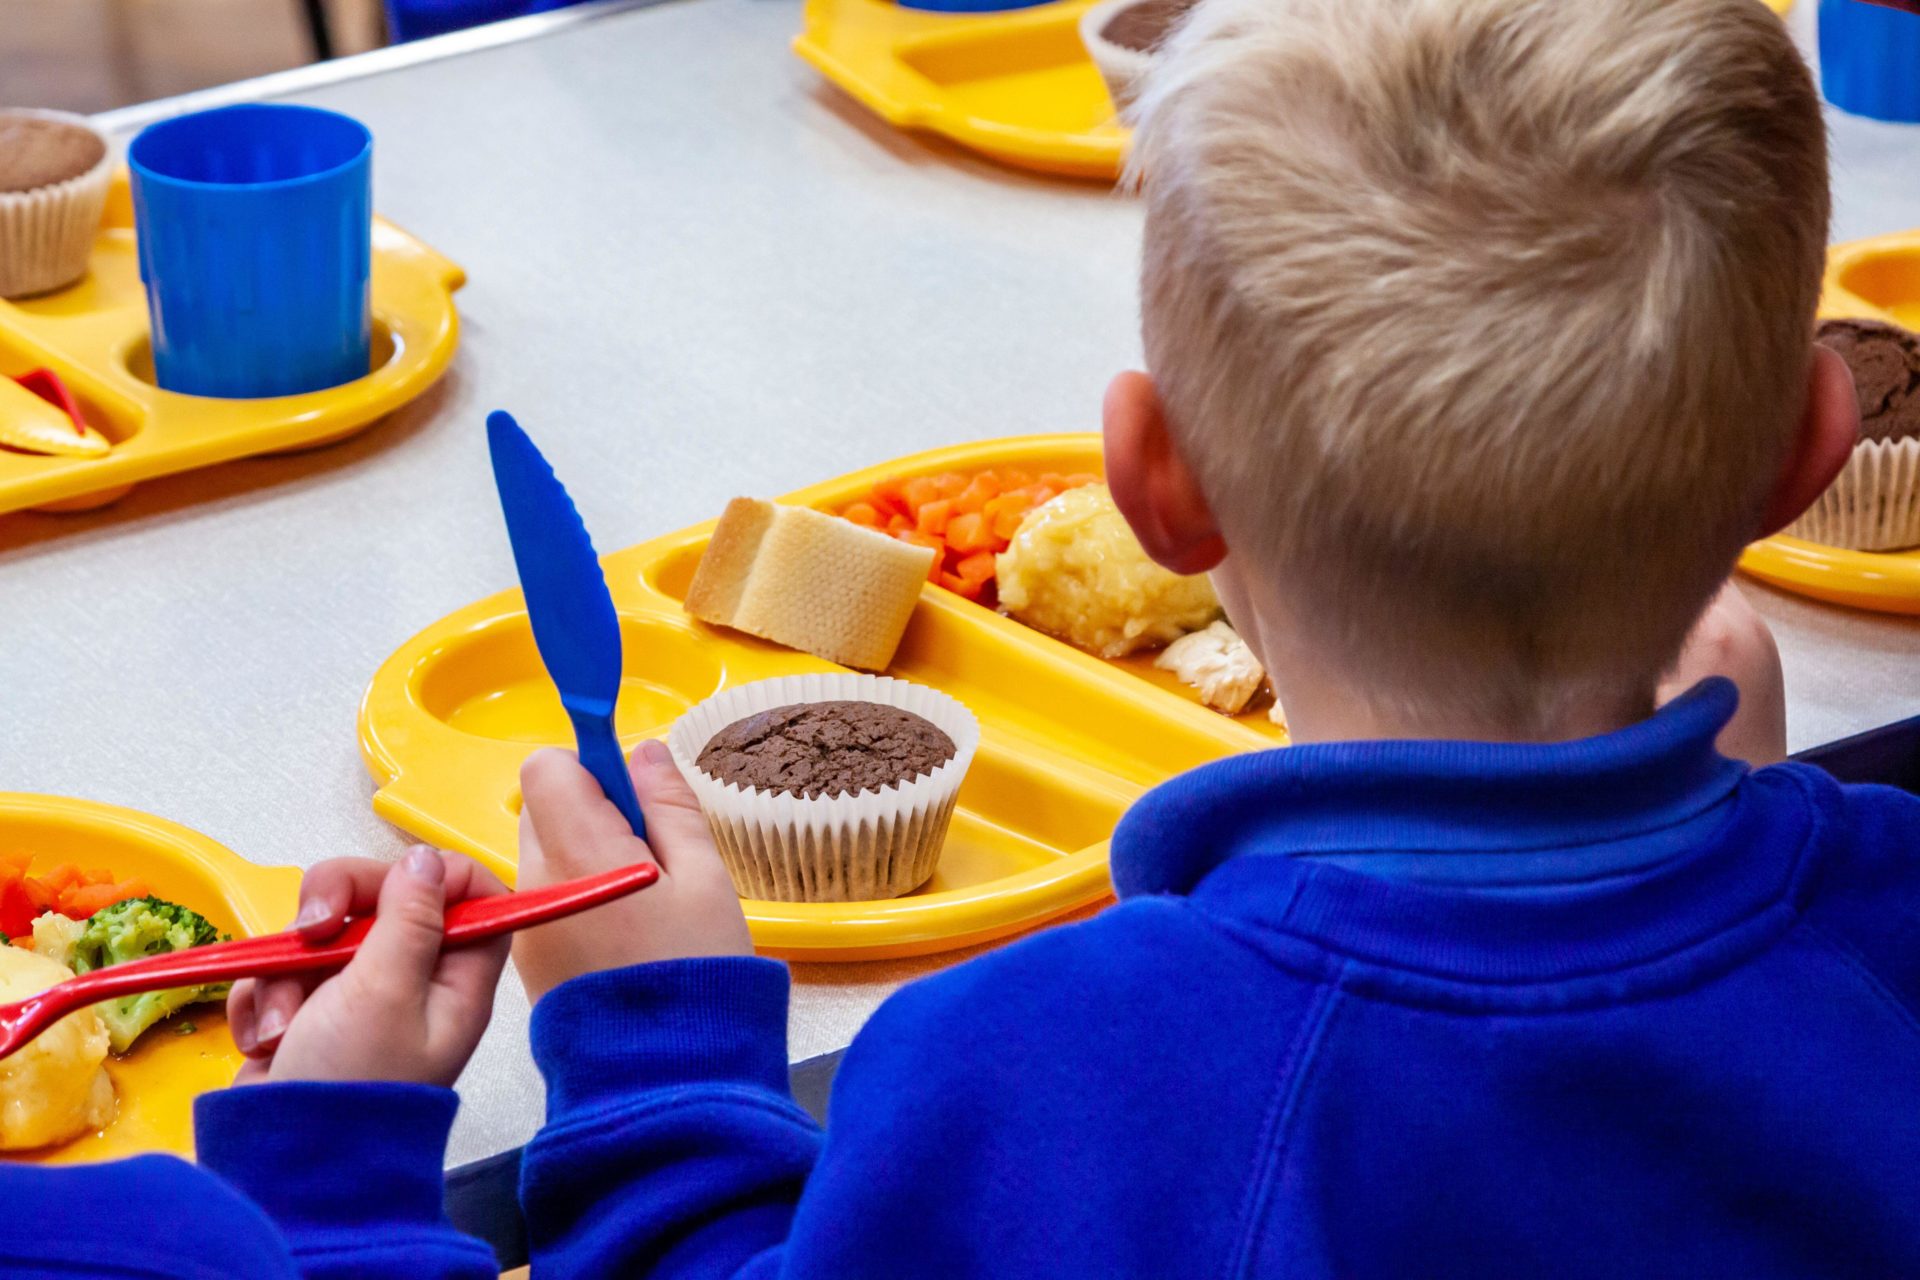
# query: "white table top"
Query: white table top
{"points": [[696, 271]]}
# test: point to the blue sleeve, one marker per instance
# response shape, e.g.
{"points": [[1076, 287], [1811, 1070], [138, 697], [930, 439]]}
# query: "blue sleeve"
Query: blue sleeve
{"points": [[58, 1223], [672, 1146], [351, 1174]]}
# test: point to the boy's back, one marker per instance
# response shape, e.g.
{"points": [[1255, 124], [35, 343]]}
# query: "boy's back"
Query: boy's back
{"points": [[1608, 1008]]}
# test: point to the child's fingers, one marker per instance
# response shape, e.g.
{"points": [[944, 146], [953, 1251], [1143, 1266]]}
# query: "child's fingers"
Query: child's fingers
{"points": [[676, 827], [579, 829], [275, 1002], [468, 879], [240, 1015], [403, 946], [333, 890]]}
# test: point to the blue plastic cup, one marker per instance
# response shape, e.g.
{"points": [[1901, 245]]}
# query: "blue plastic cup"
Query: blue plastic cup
{"points": [[1870, 59], [255, 228]]}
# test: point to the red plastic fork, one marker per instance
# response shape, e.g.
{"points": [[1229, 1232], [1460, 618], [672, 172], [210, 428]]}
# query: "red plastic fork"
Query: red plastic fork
{"points": [[467, 922]]}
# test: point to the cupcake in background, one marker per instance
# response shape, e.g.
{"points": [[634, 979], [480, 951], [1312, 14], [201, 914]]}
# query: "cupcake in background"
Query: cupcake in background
{"points": [[827, 788], [1874, 505], [1124, 35], [54, 171]]}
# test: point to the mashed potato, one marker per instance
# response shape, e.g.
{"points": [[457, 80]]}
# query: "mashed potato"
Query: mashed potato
{"points": [[1076, 570], [55, 1088]]}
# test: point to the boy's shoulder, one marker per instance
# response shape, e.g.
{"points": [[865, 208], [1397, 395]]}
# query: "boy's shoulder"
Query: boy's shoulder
{"points": [[1135, 974], [1863, 896]]}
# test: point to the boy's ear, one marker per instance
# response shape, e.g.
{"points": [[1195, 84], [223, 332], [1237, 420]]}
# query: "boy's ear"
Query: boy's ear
{"points": [[1828, 432], [1152, 484]]}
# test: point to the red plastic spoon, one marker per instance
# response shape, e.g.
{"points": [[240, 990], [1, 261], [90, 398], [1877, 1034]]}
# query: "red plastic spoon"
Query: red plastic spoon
{"points": [[468, 922]]}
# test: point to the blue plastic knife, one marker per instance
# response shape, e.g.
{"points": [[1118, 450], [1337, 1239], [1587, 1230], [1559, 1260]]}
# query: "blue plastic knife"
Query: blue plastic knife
{"points": [[574, 624]]}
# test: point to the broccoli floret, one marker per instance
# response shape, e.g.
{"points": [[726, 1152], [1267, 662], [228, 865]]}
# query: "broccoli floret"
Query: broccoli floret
{"points": [[130, 930]]}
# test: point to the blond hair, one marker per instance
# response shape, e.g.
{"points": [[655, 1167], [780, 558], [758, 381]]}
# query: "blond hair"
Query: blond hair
{"points": [[1485, 324]]}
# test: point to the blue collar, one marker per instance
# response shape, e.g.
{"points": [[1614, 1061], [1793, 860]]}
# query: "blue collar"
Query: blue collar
{"points": [[1594, 805], [1213, 833]]}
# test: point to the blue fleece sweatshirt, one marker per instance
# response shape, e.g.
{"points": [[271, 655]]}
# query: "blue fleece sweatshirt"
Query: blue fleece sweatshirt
{"points": [[1610, 1008], [1613, 1008], [324, 1182]]}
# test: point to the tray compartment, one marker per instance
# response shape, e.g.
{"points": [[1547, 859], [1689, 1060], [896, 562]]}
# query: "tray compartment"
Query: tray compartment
{"points": [[158, 1081], [94, 336]]}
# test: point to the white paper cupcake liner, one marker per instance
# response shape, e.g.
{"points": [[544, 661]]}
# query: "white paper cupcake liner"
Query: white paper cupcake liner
{"points": [[47, 234], [1874, 505], [847, 848]]}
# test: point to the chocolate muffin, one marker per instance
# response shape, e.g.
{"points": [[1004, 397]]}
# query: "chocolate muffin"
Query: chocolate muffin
{"points": [[38, 151], [826, 749], [826, 787], [54, 172], [1885, 360], [1874, 503]]}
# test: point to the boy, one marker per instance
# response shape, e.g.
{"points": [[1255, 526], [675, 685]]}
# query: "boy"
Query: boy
{"points": [[1481, 341]]}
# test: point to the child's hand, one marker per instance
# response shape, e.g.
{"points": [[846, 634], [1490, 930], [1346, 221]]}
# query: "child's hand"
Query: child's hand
{"points": [[1731, 640], [569, 828], [400, 1010]]}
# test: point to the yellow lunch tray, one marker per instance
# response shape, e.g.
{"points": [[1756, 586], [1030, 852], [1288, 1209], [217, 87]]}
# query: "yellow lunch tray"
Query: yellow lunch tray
{"points": [[94, 336], [1876, 279], [1017, 85], [1068, 740], [159, 1080]]}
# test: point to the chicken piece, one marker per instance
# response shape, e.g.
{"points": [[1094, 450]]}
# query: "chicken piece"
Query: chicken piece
{"points": [[1218, 663]]}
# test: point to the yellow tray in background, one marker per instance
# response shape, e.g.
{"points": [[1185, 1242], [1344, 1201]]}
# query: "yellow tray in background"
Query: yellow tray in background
{"points": [[94, 336], [159, 1080], [1876, 279], [1016, 85], [1068, 740]]}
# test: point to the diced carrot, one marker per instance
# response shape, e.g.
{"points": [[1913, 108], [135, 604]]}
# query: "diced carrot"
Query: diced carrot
{"points": [[1014, 478], [1005, 512], [37, 891], [1043, 494], [1080, 479], [863, 513], [949, 483], [17, 860], [919, 491], [975, 495], [932, 517], [62, 877], [977, 568], [960, 586], [1053, 480], [9, 873], [24, 942], [897, 525], [99, 875], [87, 899], [969, 532]]}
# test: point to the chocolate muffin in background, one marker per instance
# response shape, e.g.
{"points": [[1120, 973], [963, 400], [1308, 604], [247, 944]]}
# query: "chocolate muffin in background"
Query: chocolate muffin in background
{"points": [[1885, 360], [1874, 504], [54, 172], [826, 749]]}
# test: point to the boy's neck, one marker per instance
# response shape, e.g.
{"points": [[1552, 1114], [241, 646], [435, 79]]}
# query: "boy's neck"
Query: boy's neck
{"points": [[1319, 710]]}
